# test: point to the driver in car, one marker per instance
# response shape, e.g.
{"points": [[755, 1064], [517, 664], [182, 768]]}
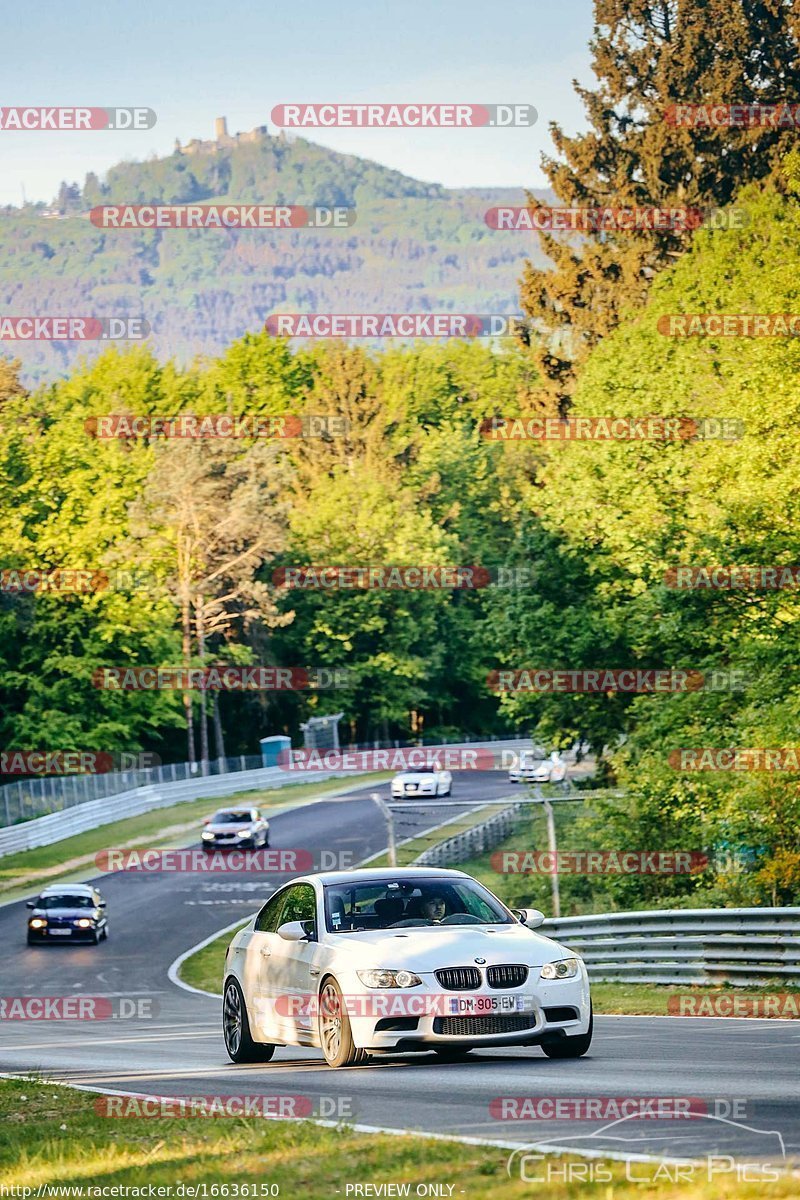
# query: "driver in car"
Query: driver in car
{"points": [[433, 908]]}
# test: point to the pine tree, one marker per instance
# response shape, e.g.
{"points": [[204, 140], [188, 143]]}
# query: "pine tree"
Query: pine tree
{"points": [[648, 56]]}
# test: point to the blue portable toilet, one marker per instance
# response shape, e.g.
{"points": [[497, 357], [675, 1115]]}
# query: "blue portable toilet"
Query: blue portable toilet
{"points": [[276, 751]]}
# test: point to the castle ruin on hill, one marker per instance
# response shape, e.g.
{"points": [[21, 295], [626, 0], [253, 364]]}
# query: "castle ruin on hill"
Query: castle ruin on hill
{"points": [[221, 139]]}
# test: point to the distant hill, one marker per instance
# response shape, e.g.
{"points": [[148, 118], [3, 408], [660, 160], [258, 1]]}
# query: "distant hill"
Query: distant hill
{"points": [[415, 247]]}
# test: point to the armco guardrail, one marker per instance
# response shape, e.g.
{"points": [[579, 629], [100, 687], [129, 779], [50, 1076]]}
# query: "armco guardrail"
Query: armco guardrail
{"points": [[25, 799], [744, 946], [54, 827], [477, 840]]}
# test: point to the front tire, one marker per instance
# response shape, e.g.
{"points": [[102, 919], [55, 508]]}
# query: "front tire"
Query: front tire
{"points": [[335, 1032], [236, 1029], [570, 1047]]}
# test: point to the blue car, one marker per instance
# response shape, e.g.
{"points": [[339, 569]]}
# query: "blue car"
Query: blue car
{"points": [[68, 912]]}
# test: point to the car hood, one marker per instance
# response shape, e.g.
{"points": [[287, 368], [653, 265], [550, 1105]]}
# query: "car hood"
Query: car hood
{"points": [[427, 949], [229, 827], [64, 912]]}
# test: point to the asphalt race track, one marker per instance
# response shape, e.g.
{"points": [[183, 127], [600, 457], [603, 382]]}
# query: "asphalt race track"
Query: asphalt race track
{"points": [[748, 1071]]}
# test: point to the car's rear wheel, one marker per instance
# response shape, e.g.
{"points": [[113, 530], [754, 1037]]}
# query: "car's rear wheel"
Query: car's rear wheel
{"points": [[570, 1047], [335, 1032], [236, 1029]]}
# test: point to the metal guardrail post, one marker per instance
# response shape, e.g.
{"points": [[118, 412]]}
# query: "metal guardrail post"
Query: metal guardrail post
{"points": [[390, 838]]}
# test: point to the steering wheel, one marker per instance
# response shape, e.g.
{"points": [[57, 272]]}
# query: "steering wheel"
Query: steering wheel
{"points": [[462, 919], [404, 924]]}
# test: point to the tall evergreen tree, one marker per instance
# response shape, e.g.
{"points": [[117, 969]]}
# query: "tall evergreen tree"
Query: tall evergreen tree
{"points": [[648, 56]]}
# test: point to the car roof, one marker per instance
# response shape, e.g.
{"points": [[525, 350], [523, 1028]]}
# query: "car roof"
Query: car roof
{"points": [[235, 807], [60, 889], [379, 873]]}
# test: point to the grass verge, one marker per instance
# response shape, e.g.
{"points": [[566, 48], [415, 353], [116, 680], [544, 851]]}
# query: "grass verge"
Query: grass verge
{"points": [[53, 1136]]}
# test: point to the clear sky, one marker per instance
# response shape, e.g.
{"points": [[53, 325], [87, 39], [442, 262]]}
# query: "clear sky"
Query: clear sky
{"points": [[194, 60]]}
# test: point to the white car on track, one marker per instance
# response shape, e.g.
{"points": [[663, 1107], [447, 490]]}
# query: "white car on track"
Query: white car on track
{"points": [[399, 959], [425, 781], [534, 766]]}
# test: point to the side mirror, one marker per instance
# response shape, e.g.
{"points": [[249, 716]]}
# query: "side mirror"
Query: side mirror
{"points": [[295, 931], [207, 821], [531, 917], [30, 904], [101, 904]]}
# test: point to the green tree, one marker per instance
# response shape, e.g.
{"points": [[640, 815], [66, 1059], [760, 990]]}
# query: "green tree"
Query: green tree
{"points": [[646, 57]]}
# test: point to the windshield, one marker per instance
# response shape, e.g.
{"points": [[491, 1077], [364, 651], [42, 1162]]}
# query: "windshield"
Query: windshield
{"points": [[403, 903], [66, 901], [231, 818]]}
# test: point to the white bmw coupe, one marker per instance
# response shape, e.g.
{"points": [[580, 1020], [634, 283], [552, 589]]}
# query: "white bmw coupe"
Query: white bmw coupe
{"points": [[395, 960], [424, 781]]}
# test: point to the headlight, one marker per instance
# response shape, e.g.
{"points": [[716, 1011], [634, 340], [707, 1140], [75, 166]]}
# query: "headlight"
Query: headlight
{"points": [[243, 832], [207, 836], [84, 923], [389, 979], [37, 923], [565, 968]]}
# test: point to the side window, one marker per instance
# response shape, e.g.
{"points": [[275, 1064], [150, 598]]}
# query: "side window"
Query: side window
{"points": [[267, 920], [300, 904]]}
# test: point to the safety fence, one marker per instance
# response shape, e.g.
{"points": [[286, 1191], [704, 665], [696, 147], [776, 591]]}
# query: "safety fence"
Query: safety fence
{"points": [[89, 814], [477, 840], [25, 799], [743, 946]]}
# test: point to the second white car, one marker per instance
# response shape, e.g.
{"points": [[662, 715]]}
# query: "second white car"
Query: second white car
{"points": [[425, 781]]}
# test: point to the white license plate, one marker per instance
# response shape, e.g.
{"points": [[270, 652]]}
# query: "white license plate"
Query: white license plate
{"points": [[476, 1006], [59, 932]]}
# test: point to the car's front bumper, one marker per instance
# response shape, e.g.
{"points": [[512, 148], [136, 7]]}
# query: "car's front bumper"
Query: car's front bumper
{"points": [[64, 934], [229, 843], [415, 1017]]}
